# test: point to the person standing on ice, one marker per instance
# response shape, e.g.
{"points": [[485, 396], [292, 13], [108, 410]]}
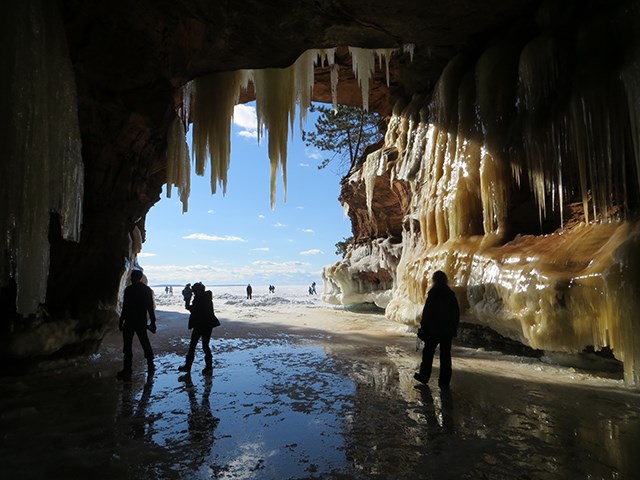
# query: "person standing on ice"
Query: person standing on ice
{"points": [[439, 324], [249, 292], [137, 303], [187, 294], [201, 321]]}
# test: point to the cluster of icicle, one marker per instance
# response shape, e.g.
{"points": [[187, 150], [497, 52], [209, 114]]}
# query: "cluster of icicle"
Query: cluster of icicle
{"points": [[572, 134], [41, 169], [209, 102]]}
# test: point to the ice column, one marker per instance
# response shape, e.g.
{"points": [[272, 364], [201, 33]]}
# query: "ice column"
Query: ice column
{"points": [[42, 168], [211, 111], [178, 164]]}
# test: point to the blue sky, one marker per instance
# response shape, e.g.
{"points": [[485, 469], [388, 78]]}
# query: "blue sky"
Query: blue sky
{"points": [[238, 238]]}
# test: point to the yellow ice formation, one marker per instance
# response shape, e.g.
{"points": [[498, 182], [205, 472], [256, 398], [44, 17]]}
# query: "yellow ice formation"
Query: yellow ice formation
{"points": [[209, 101], [506, 125], [42, 170]]}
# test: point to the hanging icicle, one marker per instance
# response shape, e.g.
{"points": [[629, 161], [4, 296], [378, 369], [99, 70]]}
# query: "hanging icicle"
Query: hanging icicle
{"points": [[42, 171]]}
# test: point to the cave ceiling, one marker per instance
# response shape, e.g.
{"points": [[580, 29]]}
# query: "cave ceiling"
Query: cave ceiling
{"points": [[138, 49]]}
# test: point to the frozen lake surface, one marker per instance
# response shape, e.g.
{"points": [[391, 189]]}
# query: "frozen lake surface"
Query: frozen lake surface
{"points": [[303, 390]]}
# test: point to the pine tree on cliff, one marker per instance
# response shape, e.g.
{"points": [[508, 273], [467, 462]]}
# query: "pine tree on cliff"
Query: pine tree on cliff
{"points": [[345, 134]]}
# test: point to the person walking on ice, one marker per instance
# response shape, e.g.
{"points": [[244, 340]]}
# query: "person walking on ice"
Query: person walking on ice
{"points": [[201, 321], [249, 292], [136, 304], [439, 324]]}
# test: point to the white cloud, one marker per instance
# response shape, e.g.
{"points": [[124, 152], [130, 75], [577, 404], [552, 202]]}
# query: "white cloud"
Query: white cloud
{"points": [[307, 230], [300, 207], [261, 249], [279, 225], [313, 251], [210, 212], [303, 164], [244, 117], [315, 155], [248, 134], [214, 238], [261, 216], [147, 254]]}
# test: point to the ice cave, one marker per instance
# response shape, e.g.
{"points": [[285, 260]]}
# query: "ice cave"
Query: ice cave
{"points": [[511, 158]]}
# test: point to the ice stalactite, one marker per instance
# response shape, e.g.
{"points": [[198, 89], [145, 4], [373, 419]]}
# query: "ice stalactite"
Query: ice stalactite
{"points": [[178, 163], [42, 167], [208, 103], [364, 64], [508, 131], [211, 111]]}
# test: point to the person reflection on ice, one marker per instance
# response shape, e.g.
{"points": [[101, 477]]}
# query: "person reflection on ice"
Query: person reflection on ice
{"points": [[201, 422], [438, 420], [138, 419]]}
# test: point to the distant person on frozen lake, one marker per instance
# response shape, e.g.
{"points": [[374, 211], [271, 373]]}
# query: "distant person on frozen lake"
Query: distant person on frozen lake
{"points": [[187, 294], [137, 303], [439, 324], [201, 321], [313, 288], [249, 291]]}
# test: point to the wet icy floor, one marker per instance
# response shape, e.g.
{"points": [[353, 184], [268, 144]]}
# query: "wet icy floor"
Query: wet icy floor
{"points": [[290, 401]]}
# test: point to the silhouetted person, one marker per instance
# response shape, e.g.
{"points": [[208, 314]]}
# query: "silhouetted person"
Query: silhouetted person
{"points": [[249, 291], [313, 288], [137, 303], [201, 322], [187, 294], [170, 290], [439, 324]]}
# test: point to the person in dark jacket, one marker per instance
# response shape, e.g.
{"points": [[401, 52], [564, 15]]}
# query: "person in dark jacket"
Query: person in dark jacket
{"points": [[187, 294], [201, 322], [439, 324], [136, 304], [249, 292]]}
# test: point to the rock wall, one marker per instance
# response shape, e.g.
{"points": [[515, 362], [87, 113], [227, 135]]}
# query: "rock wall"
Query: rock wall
{"points": [[523, 171]]}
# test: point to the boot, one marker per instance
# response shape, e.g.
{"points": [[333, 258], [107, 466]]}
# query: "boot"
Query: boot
{"points": [[150, 366], [187, 364]]}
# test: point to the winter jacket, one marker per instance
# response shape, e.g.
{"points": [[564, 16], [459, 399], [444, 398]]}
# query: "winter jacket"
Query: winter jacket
{"points": [[201, 311], [441, 313]]}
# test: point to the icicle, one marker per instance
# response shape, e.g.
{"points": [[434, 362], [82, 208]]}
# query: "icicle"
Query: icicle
{"points": [[363, 62], [42, 169], [275, 104], [335, 70], [178, 165], [385, 54], [212, 111], [303, 75], [538, 72], [409, 48]]}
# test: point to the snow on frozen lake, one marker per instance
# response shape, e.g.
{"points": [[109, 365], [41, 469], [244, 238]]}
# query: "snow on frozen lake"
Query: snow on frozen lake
{"points": [[230, 299]]}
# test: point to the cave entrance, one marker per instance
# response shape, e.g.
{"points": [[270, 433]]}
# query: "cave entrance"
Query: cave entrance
{"points": [[236, 238]]}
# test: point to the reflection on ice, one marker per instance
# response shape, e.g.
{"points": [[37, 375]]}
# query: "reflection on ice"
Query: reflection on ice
{"points": [[318, 394]]}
